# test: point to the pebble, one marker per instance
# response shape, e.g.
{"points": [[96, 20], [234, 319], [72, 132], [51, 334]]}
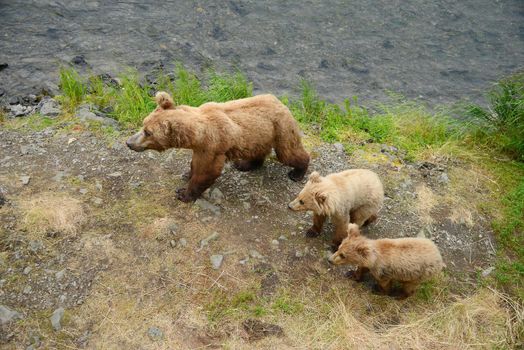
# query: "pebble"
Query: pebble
{"points": [[172, 243], [275, 242], [35, 246], [115, 174], [488, 271], [299, 254], [208, 239], [155, 333], [216, 196], [27, 270], [25, 179], [60, 274], [255, 254], [205, 205], [216, 261], [56, 318], [83, 190], [7, 315], [182, 242]]}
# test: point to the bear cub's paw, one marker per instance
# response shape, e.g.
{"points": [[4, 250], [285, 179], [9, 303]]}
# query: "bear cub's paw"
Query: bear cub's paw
{"points": [[182, 195]]}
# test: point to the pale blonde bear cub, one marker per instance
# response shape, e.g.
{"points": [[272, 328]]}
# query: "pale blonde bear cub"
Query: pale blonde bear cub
{"points": [[349, 196], [409, 261]]}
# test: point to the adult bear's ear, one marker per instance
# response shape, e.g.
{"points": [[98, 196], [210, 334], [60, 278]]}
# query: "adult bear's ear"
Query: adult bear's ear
{"points": [[163, 100], [314, 177]]}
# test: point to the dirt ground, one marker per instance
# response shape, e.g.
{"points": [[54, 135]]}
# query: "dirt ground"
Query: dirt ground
{"points": [[90, 226]]}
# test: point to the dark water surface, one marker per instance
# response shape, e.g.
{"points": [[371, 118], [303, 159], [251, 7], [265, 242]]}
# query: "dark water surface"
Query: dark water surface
{"points": [[438, 50]]}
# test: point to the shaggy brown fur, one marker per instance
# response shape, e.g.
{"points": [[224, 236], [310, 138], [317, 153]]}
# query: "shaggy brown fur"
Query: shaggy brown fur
{"points": [[349, 196], [409, 261], [243, 130]]}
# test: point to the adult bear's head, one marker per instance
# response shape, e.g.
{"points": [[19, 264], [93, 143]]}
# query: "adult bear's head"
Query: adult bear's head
{"points": [[163, 128]]}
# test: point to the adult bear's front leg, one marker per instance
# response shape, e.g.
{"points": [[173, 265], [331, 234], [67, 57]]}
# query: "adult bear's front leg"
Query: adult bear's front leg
{"points": [[206, 169]]}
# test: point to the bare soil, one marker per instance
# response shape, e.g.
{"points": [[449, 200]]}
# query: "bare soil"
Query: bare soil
{"points": [[139, 246]]}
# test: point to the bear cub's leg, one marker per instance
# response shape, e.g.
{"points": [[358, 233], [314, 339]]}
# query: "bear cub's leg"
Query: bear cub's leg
{"points": [[248, 165], [357, 274]]}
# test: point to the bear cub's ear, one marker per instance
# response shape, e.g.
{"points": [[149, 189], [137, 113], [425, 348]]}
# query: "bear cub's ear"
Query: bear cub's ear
{"points": [[314, 177], [353, 230], [163, 100]]}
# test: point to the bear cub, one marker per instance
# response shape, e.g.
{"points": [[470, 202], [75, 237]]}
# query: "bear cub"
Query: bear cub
{"points": [[349, 196], [409, 261]]}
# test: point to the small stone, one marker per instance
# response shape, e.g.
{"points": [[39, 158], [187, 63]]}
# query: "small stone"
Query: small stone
{"points": [[216, 261], [173, 228], [35, 246], [19, 110], [216, 196], [115, 174], [208, 239], [59, 275], [443, 178], [79, 60], [339, 147], [7, 315], [246, 205], [421, 234], [155, 334], [56, 318], [282, 238], [97, 201], [299, 254], [13, 100], [172, 243], [83, 190], [488, 271], [27, 289], [205, 205], [255, 254], [182, 242], [275, 242], [244, 261], [25, 179], [27, 270]]}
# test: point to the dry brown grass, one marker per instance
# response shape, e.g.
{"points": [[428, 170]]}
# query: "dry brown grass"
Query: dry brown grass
{"points": [[426, 201], [47, 212], [487, 320]]}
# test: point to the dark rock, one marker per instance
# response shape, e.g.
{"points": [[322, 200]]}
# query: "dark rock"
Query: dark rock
{"points": [[359, 69], [13, 100], [256, 329], [324, 64], [79, 60], [109, 80], [2, 92], [387, 44], [238, 8], [218, 34], [3, 66], [266, 66], [268, 52]]}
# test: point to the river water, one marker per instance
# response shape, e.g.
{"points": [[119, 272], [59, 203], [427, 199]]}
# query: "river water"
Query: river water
{"points": [[439, 51]]}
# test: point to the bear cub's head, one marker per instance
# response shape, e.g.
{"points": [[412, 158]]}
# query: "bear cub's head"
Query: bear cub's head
{"points": [[314, 196], [354, 249], [156, 130]]}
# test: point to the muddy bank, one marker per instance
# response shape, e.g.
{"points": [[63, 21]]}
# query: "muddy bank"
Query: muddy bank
{"points": [[439, 51]]}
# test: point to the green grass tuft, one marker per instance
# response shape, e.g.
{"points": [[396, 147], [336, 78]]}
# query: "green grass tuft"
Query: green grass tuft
{"points": [[73, 87], [501, 125]]}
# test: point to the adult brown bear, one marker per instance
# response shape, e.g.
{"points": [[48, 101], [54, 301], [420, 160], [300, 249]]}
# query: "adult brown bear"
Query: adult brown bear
{"points": [[243, 131]]}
